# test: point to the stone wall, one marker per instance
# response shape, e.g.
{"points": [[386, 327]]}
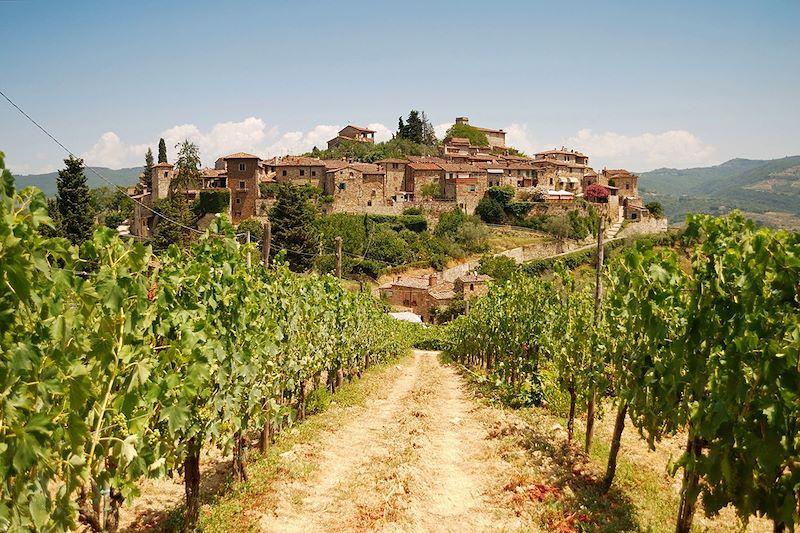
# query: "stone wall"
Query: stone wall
{"points": [[644, 227]]}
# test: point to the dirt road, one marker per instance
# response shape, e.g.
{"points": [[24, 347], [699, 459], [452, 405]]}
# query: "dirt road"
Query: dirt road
{"points": [[416, 460]]}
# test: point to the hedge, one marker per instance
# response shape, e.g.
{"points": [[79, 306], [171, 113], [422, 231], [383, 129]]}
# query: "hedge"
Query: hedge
{"points": [[214, 201]]}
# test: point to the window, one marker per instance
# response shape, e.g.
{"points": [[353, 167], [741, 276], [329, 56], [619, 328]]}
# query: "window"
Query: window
{"points": [[472, 286], [394, 165], [313, 172], [283, 173], [369, 203], [472, 188], [242, 185], [627, 185], [238, 200], [302, 172], [551, 181], [342, 186], [166, 173], [242, 167]]}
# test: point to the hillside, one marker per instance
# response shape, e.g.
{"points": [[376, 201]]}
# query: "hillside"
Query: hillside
{"points": [[47, 182], [768, 191]]}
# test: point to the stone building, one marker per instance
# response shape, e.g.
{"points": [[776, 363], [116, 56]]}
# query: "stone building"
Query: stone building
{"points": [[243, 174], [497, 138], [560, 170], [395, 171], [625, 181], [352, 133], [422, 173], [356, 186], [465, 184], [472, 285], [297, 170]]}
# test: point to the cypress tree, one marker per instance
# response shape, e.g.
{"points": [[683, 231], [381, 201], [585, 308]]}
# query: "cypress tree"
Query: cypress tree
{"points": [[75, 211], [294, 227], [147, 171], [162, 151], [414, 127], [401, 128]]}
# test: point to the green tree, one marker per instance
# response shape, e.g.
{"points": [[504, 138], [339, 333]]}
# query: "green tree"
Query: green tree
{"points": [[490, 210], [499, 267], [295, 227], [428, 133], [162, 151], [431, 190], [188, 169], [476, 137], [75, 211], [413, 129], [166, 232], [655, 209], [254, 227], [560, 228], [147, 171]]}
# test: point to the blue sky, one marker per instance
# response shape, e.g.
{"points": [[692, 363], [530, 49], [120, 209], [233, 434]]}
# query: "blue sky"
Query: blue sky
{"points": [[633, 84]]}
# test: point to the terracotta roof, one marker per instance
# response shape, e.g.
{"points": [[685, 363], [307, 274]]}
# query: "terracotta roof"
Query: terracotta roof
{"points": [[333, 164], [462, 167], [368, 168], [241, 155], [481, 157], [212, 172], [423, 165], [520, 166], [620, 173], [490, 130], [393, 160], [590, 172], [426, 159], [412, 283], [299, 161], [163, 165], [562, 151], [359, 128]]}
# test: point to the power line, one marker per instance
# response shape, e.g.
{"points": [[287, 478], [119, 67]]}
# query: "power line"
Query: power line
{"points": [[93, 171]]}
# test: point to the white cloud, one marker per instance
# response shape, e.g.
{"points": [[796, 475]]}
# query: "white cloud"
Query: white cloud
{"points": [[298, 142], [517, 135], [382, 133], [646, 151], [441, 130], [110, 151]]}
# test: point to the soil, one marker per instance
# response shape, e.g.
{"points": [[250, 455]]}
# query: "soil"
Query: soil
{"points": [[417, 460]]}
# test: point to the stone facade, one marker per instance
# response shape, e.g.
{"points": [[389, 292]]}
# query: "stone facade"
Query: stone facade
{"points": [[472, 285], [496, 138], [395, 172], [297, 171], [357, 185], [352, 133], [244, 174]]}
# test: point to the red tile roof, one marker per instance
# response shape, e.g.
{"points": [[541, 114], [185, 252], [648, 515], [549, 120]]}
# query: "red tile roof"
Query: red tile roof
{"points": [[241, 155], [359, 128], [299, 161]]}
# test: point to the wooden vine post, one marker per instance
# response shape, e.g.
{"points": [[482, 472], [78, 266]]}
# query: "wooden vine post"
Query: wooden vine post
{"points": [[598, 293]]}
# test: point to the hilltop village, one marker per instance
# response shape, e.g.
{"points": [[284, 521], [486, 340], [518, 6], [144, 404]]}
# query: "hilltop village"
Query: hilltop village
{"points": [[457, 177]]}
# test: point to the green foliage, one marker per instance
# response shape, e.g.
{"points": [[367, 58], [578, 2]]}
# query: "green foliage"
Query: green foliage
{"points": [[503, 194], [167, 232], [147, 170], [370, 153], [255, 228], [162, 151], [295, 221], [74, 204], [127, 372], [187, 175], [499, 267], [214, 201], [431, 190], [518, 210], [416, 129], [490, 210], [655, 209], [268, 190], [476, 137], [412, 211]]}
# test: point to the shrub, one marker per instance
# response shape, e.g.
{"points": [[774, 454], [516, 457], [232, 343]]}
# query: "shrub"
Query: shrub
{"points": [[596, 193], [412, 211], [502, 193], [519, 209], [539, 194], [214, 201], [476, 137], [500, 267], [490, 210], [655, 209], [254, 227]]}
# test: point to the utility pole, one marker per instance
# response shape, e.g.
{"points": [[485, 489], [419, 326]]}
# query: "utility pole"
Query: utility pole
{"points": [[598, 291], [338, 257], [266, 242]]}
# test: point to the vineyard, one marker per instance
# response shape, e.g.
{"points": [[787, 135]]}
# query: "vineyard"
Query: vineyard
{"points": [[704, 339], [118, 365]]}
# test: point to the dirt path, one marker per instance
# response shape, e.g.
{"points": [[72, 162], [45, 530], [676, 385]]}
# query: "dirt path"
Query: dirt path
{"points": [[416, 460]]}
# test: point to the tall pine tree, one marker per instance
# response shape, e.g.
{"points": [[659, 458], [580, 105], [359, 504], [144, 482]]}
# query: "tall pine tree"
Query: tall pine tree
{"points": [[413, 129], [294, 227], [75, 211], [147, 171], [162, 151]]}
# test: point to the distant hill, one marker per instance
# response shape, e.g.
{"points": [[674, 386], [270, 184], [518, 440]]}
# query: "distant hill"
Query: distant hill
{"points": [[767, 191], [47, 182]]}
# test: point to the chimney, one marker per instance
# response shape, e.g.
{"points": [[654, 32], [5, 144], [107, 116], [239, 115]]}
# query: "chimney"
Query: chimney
{"points": [[431, 280]]}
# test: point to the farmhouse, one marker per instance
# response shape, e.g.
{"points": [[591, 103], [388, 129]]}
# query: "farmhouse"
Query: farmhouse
{"points": [[352, 133]]}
